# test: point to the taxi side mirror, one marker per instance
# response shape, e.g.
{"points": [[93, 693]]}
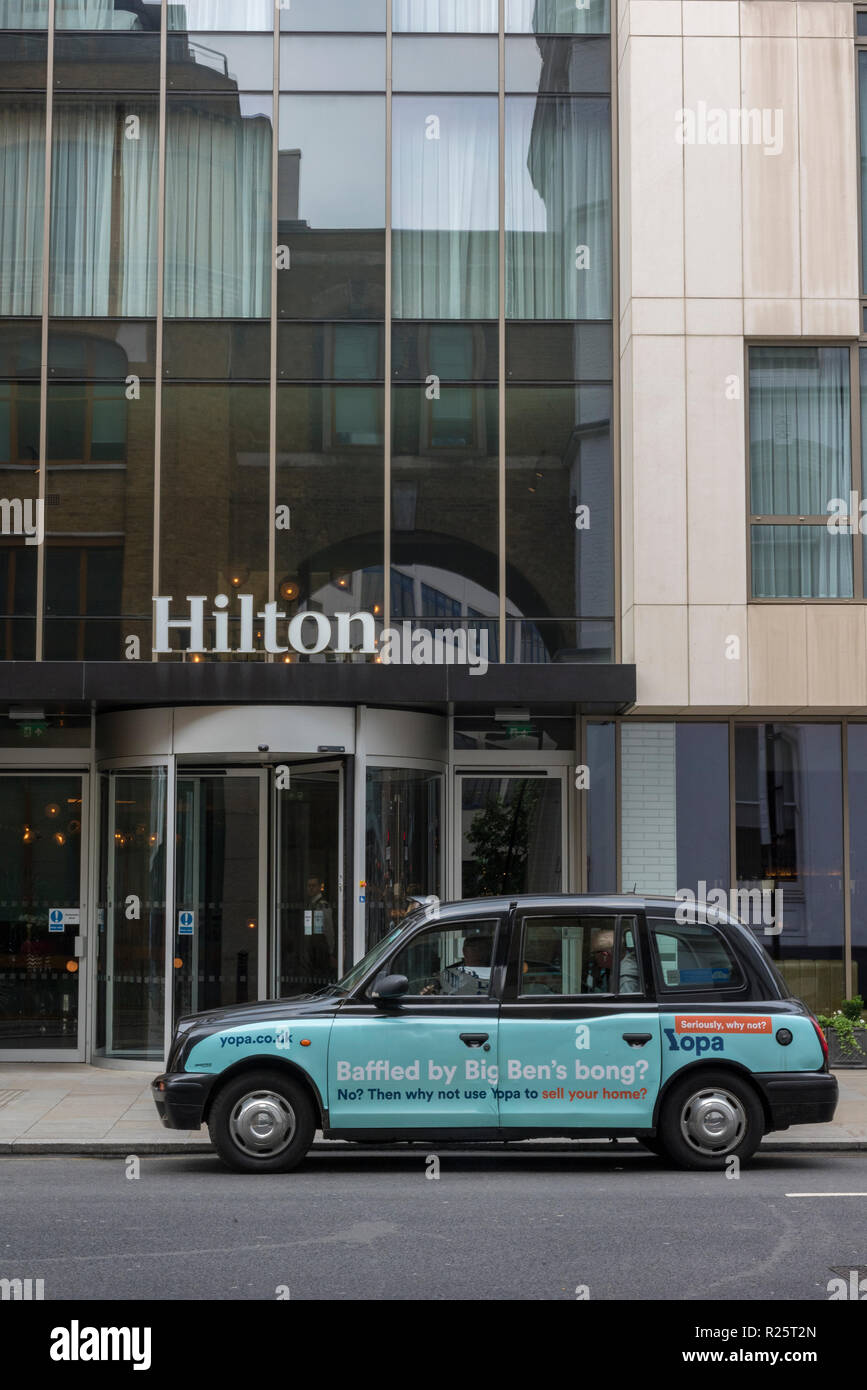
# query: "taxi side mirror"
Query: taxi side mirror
{"points": [[389, 987]]}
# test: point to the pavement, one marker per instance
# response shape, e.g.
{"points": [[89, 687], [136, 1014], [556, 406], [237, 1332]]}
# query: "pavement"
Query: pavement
{"points": [[73, 1108]]}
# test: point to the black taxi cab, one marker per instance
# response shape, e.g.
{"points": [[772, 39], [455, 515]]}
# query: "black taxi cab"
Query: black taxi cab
{"points": [[512, 1018]]}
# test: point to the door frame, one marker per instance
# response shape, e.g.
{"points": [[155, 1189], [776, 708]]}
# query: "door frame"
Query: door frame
{"points": [[553, 771], [272, 851], [77, 1053]]}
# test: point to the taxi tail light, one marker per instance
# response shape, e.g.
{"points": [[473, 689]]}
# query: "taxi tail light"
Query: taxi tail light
{"points": [[823, 1042]]}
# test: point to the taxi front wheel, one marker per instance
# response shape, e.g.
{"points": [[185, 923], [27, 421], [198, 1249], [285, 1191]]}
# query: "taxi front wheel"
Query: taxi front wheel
{"points": [[710, 1117], [262, 1122]]}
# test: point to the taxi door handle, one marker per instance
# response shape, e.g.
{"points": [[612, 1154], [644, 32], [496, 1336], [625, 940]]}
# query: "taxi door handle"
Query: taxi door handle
{"points": [[637, 1039], [474, 1039]]}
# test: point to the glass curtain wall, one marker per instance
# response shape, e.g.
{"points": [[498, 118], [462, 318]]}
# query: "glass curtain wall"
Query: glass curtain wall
{"points": [[392, 395]]}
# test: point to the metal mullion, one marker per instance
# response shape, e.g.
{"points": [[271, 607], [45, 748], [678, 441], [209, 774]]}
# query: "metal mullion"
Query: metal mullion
{"points": [[388, 311], [43, 356], [160, 317], [272, 380], [847, 874], [501, 327]]}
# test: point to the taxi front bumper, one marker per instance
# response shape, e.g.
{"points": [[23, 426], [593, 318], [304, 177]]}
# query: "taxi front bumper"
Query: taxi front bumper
{"points": [[181, 1098]]}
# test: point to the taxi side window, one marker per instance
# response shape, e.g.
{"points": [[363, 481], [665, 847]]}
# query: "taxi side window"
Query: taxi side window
{"points": [[693, 956], [570, 955], [451, 960]]}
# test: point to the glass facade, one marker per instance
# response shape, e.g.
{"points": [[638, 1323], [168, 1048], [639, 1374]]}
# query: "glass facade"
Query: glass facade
{"points": [[271, 274]]}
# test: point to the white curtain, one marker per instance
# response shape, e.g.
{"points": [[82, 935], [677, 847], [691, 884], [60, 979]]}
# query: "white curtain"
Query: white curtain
{"points": [[445, 16], [23, 14], [93, 14], [218, 215], [800, 562], [557, 17], [799, 429], [221, 14], [103, 230], [558, 199], [445, 208], [22, 199]]}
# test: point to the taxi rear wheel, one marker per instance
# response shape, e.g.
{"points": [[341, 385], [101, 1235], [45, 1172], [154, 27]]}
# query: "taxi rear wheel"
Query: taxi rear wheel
{"points": [[262, 1122], [710, 1117]]}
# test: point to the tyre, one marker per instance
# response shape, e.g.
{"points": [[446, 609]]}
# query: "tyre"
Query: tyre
{"points": [[262, 1122], [709, 1117]]}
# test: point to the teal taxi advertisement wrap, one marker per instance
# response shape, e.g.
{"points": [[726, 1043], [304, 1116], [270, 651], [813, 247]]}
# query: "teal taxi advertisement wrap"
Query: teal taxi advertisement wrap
{"points": [[515, 1019]]}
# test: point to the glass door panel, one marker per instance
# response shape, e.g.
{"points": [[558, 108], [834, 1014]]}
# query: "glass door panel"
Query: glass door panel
{"points": [[219, 891], [131, 922], [40, 904], [511, 835], [309, 881]]}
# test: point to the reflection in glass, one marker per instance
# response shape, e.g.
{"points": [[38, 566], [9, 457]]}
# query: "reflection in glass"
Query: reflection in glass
{"points": [[220, 62], [601, 808], [23, 14], [330, 470], [789, 837], [309, 875], [560, 561], [40, 868], [19, 480], [332, 64], [445, 16], [558, 65], [445, 502], [104, 207], [403, 845], [221, 14], [682, 840], [557, 17], [445, 65], [451, 351], [130, 966], [445, 208], [510, 836], [334, 15], [22, 199], [331, 207], [214, 537], [99, 532], [217, 879], [127, 15], [558, 208], [857, 778], [23, 61], [218, 207]]}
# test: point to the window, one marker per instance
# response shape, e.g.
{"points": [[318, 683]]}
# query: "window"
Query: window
{"points": [[449, 960], [801, 474], [692, 956], [579, 955]]}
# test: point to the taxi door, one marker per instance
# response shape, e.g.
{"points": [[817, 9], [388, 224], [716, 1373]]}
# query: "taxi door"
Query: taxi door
{"points": [[426, 1060], [579, 1039]]}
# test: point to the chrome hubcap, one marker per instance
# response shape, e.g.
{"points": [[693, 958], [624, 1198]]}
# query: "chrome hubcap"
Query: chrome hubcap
{"points": [[262, 1124], [713, 1121]]}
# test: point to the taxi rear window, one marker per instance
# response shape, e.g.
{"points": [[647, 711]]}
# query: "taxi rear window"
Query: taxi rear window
{"points": [[692, 956]]}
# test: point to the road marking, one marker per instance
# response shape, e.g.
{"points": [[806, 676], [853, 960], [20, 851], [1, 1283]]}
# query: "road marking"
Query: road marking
{"points": [[826, 1194]]}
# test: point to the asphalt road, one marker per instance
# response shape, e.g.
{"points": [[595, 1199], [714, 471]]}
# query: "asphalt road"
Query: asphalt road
{"points": [[353, 1225]]}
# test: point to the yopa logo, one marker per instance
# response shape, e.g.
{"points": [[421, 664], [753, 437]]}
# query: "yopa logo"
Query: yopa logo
{"points": [[77, 1343], [688, 1043]]}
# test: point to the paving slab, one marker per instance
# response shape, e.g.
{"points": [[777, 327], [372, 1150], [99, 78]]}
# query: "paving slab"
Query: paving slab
{"points": [[77, 1108]]}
